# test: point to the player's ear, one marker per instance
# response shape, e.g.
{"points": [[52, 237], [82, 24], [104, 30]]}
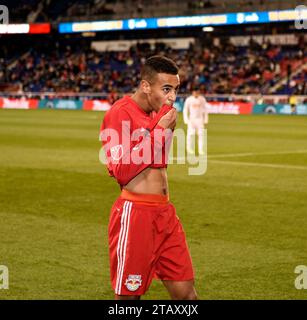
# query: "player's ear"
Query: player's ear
{"points": [[145, 86]]}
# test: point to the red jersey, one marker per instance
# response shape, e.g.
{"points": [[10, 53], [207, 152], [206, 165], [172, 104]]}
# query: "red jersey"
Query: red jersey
{"points": [[132, 140]]}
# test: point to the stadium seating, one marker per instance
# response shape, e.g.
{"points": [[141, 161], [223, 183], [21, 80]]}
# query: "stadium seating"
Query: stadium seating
{"points": [[121, 9], [55, 66], [19, 10], [219, 69], [52, 10]]}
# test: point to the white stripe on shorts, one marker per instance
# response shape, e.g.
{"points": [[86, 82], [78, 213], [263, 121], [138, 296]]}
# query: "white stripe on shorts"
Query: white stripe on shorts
{"points": [[122, 245]]}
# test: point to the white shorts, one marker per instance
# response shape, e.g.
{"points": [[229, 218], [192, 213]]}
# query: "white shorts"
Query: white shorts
{"points": [[195, 126]]}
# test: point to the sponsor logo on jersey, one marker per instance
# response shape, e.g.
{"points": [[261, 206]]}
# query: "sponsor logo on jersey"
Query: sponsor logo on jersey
{"points": [[117, 152]]}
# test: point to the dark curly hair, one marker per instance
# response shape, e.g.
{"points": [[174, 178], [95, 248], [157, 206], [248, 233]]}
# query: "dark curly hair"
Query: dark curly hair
{"points": [[158, 64]]}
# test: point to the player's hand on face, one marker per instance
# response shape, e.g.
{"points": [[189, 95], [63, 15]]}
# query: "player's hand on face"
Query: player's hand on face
{"points": [[168, 121]]}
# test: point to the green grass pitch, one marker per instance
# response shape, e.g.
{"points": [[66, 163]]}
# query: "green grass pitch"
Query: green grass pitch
{"points": [[245, 219]]}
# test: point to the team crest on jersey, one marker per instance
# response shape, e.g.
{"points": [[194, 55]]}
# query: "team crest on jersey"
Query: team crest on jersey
{"points": [[133, 282], [117, 152]]}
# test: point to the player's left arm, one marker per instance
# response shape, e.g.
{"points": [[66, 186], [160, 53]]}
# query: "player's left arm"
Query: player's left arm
{"points": [[205, 111]]}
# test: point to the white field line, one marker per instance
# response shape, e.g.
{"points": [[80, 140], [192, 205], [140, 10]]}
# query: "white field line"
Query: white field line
{"points": [[247, 154], [258, 164], [244, 154], [253, 164]]}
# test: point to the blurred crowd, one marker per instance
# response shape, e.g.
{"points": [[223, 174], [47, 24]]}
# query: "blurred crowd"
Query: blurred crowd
{"points": [[218, 69], [23, 11]]}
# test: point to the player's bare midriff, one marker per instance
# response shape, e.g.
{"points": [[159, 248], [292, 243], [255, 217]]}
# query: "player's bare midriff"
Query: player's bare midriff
{"points": [[149, 181]]}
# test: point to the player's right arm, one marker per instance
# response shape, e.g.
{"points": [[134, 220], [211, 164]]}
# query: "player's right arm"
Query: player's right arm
{"points": [[121, 151]]}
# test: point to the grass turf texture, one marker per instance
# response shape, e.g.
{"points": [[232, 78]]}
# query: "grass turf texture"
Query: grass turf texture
{"points": [[245, 220]]}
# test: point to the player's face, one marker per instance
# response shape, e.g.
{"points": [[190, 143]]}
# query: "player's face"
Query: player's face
{"points": [[195, 93], [163, 90]]}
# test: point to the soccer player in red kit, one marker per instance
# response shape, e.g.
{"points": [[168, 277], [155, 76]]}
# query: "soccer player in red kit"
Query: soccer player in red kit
{"points": [[146, 238]]}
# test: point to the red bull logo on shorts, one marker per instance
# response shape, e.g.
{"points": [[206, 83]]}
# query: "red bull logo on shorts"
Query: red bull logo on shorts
{"points": [[133, 282]]}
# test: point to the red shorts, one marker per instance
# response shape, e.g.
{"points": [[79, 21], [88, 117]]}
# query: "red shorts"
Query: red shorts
{"points": [[146, 239]]}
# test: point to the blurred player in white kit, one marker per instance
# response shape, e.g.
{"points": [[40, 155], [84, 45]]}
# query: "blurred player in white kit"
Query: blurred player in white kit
{"points": [[195, 116]]}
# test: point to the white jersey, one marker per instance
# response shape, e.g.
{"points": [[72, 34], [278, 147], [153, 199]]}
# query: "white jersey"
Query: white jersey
{"points": [[195, 109]]}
